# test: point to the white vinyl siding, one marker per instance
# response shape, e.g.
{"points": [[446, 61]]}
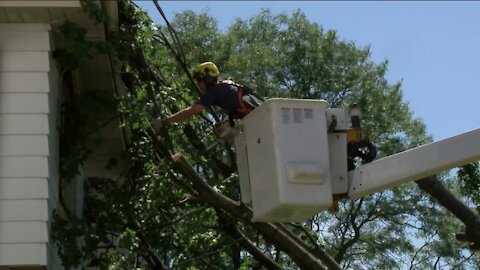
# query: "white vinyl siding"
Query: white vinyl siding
{"points": [[24, 82], [23, 167], [18, 41], [23, 210], [21, 103], [23, 232], [28, 144], [24, 254], [23, 124], [24, 145], [12, 61], [24, 188]]}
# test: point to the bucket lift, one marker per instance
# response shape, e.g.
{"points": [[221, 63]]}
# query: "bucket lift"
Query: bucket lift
{"points": [[294, 158]]}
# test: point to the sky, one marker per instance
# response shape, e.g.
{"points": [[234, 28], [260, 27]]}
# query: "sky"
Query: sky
{"points": [[433, 46]]}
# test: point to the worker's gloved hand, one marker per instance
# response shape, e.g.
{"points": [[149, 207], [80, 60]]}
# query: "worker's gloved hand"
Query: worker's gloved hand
{"points": [[159, 124]]}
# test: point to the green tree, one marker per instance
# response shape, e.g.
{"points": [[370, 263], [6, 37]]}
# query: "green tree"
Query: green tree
{"points": [[178, 204]]}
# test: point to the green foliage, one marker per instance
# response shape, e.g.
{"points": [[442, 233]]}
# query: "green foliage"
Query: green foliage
{"points": [[201, 34], [74, 49], [154, 218], [67, 236], [94, 10], [78, 123], [77, 126], [286, 55], [469, 177]]}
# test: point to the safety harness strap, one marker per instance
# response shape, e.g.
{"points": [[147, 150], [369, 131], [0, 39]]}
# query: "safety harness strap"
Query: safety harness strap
{"points": [[243, 108]]}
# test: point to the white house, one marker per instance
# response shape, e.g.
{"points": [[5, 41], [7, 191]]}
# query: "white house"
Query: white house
{"points": [[30, 93]]}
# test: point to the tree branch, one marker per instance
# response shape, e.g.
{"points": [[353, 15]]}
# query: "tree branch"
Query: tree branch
{"points": [[447, 199], [237, 235], [302, 257], [324, 256]]}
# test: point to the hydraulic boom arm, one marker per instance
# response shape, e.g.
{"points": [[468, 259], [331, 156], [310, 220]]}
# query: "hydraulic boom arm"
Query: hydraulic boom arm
{"points": [[414, 164]]}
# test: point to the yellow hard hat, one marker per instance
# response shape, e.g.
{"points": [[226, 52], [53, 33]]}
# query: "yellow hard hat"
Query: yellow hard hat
{"points": [[206, 69]]}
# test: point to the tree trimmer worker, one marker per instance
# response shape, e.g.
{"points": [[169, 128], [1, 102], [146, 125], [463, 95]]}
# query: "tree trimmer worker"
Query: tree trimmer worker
{"points": [[235, 99]]}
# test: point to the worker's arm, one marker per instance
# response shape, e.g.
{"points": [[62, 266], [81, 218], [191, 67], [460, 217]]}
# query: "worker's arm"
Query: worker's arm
{"points": [[185, 114]]}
